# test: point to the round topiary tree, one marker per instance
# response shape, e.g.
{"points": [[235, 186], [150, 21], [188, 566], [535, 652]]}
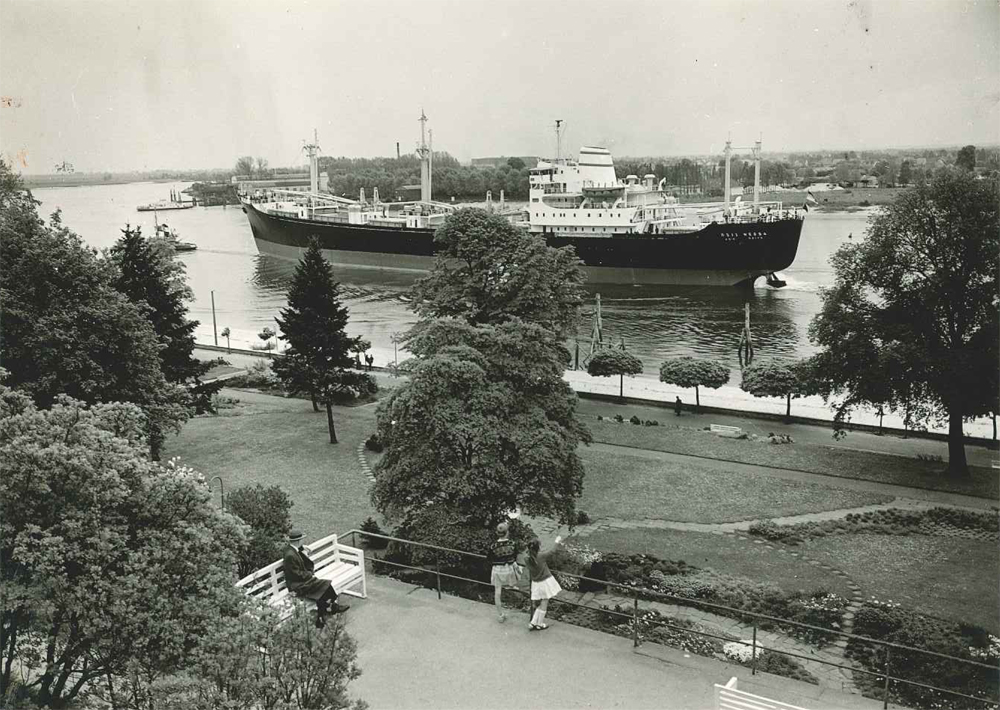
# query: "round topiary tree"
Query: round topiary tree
{"points": [[613, 361], [690, 372], [771, 379]]}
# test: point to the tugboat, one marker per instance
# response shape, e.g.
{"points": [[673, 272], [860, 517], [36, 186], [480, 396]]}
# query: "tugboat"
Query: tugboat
{"points": [[164, 232], [627, 231]]}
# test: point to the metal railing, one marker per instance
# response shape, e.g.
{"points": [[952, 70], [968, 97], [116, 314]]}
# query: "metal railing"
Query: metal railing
{"points": [[635, 621]]}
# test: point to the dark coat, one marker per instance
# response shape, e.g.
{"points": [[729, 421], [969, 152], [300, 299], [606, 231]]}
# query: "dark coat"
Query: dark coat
{"points": [[299, 577]]}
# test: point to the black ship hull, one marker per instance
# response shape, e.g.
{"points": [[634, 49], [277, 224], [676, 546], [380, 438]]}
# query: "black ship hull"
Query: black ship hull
{"points": [[720, 254]]}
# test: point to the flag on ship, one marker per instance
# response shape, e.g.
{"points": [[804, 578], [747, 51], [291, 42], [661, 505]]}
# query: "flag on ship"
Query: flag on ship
{"points": [[809, 198]]}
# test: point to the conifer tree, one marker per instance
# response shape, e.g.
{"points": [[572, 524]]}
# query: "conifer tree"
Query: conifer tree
{"points": [[318, 359], [146, 275]]}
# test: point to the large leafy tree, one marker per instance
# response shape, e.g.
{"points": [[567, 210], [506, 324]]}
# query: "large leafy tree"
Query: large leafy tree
{"points": [[614, 361], [485, 424], [912, 322], [152, 278], [693, 372], [490, 271], [112, 566], [66, 329], [318, 359]]}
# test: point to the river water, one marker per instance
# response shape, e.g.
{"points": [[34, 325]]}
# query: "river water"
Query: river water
{"points": [[655, 322]]}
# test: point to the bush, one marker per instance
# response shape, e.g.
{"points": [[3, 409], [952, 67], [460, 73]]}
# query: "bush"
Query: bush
{"points": [[635, 420], [582, 518], [769, 530], [374, 443], [889, 621], [370, 525], [619, 418], [652, 422], [268, 513]]}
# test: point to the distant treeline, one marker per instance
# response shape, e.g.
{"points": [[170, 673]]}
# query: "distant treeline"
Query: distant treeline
{"points": [[450, 180]]}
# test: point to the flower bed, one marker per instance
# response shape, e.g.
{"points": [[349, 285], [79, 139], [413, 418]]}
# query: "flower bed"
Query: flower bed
{"points": [[936, 521], [676, 582]]}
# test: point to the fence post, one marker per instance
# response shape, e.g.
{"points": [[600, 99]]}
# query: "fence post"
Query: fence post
{"points": [[635, 621], [437, 569], [753, 664], [885, 688]]}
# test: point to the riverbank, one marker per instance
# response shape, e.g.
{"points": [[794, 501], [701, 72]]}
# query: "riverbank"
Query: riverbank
{"points": [[726, 401]]}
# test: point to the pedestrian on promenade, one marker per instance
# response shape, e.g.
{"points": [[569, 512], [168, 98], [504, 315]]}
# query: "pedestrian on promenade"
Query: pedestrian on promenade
{"points": [[301, 581], [678, 406], [369, 361], [544, 586], [502, 555]]}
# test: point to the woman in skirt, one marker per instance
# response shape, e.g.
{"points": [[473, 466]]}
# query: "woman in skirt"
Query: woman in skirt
{"points": [[543, 585]]}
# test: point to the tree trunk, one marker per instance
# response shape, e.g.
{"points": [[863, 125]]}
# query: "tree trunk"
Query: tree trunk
{"points": [[621, 387], [329, 423], [788, 407], [697, 399], [957, 464], [312, 396]]}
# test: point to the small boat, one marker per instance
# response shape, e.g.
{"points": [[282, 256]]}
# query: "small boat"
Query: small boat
{"points": [[163, 231], [164, 205]]}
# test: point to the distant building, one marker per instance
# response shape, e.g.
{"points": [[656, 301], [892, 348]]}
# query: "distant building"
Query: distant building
{"points": [[296, 182], [530, 161], [868, 181]]}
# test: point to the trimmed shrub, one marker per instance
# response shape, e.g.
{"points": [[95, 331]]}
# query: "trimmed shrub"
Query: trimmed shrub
{"points": [[268, 513], [582, 518], [374, 444], [371, 525]]}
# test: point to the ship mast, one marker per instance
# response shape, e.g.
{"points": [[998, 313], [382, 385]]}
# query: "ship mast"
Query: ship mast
{"points": [[425, 161], [312, 150], [558, 139]]}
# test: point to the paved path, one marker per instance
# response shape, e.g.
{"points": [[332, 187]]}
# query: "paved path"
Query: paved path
{"points": [[416, 651]]}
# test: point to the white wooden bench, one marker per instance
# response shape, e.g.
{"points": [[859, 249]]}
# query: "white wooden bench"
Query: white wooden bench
{"points": [[723, 430], [342, 565], [727, 697]]}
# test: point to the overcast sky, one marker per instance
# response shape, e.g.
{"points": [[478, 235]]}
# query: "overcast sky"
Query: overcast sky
{"points": [[118, 85]]}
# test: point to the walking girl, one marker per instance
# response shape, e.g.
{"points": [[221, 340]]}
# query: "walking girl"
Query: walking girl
{"points": [[543, 585]]}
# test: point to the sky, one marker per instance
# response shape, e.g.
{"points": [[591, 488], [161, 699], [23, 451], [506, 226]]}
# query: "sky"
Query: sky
{"points": [[140, 85]]}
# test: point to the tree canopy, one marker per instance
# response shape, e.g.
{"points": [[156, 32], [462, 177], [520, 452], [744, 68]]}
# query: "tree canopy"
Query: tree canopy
{"points": [[110, 563], [614, 361], [318, 359], [66, 329], [693, 372], [912, 322], [489, 271], [966, 158], [485, 424], [773, 379]]}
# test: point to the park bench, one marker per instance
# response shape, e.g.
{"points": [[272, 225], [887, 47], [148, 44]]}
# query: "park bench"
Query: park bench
{"points": [[342, 565], [723, 430], [727, 697]]}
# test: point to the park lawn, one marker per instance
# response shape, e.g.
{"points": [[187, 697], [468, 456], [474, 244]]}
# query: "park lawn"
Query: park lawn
{"points": [[953, 578], [632, 487], [276, 441], [827, 460], [726, 554]]}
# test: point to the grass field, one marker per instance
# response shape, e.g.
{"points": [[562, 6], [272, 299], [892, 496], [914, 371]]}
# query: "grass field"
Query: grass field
{"points": [[724, 554], [635, 487], [275, 441], [949, 577], [828, 460]]}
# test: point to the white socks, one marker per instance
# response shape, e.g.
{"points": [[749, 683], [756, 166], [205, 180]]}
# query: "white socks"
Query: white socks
{"points": [[538, 618]]}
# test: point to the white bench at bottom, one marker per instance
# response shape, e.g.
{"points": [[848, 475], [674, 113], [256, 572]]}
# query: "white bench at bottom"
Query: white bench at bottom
{"points": [[343, 566], [727, 697]]}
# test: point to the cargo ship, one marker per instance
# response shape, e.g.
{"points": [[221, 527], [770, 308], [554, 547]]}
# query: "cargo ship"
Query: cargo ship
{"points": [[625, 231]]}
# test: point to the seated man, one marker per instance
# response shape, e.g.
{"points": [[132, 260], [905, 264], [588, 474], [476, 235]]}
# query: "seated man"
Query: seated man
{"points": [[301, 581]]}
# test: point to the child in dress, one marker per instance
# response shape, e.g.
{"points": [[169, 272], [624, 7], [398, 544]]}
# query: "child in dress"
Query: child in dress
{"points": [[543, 585]]}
